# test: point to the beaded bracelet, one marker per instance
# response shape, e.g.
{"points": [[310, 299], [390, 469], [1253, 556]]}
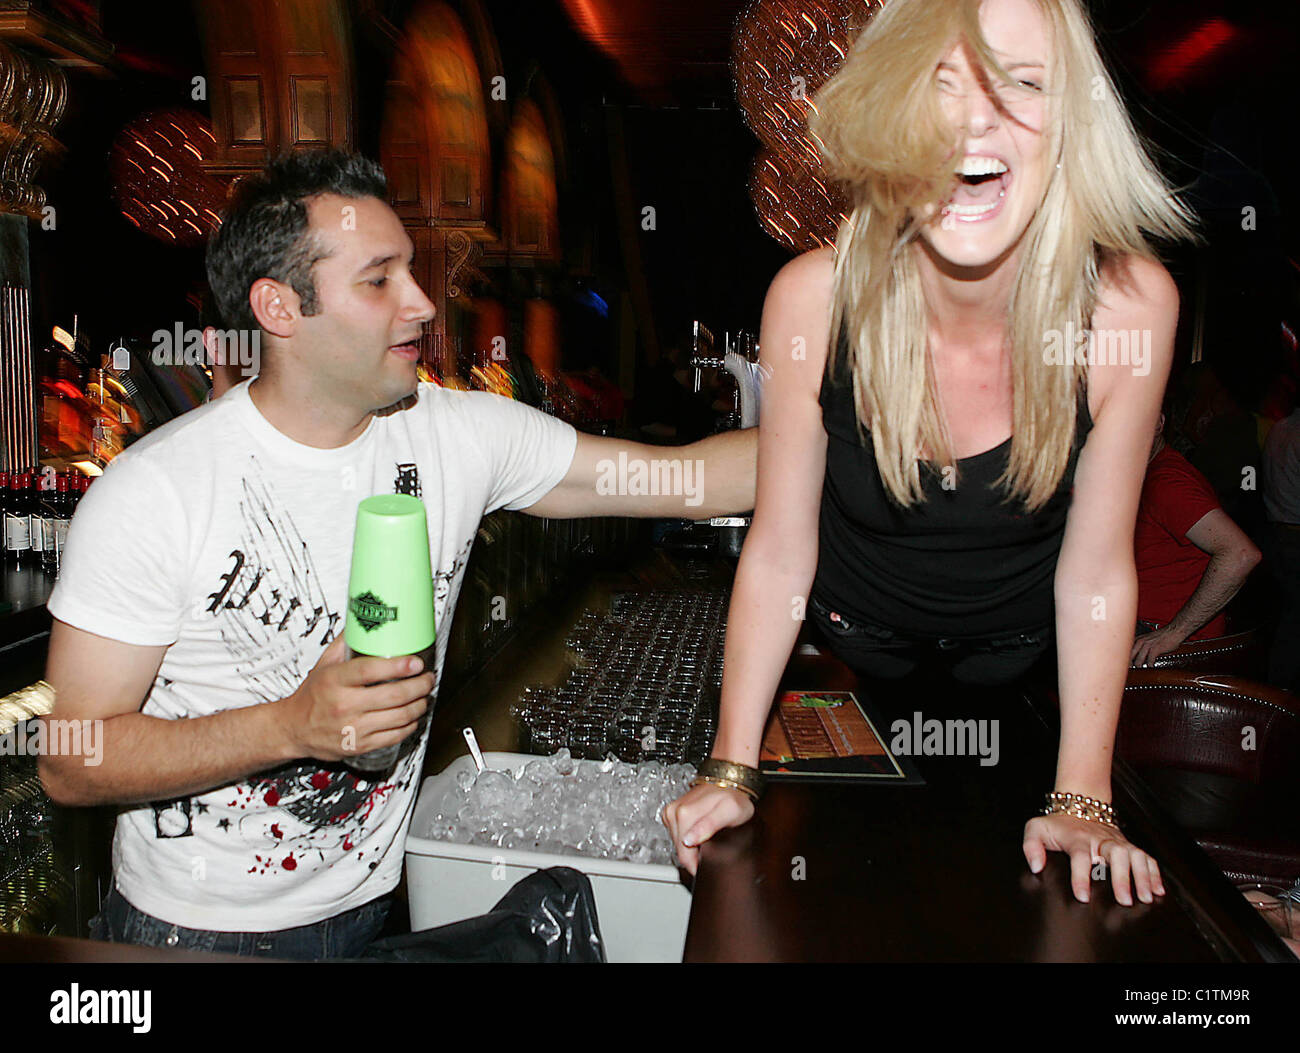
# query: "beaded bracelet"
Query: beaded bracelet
{"points": [[1080, 807]]}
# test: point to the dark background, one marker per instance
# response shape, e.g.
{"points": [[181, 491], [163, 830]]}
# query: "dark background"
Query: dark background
{"points": [[1211, 83]]}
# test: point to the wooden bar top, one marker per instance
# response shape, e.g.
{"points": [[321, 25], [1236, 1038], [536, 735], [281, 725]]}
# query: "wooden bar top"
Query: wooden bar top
{"points": [[936, 872]]}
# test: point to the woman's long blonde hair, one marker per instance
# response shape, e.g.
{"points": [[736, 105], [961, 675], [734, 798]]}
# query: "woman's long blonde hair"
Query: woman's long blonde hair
{"points": [[880, 126]]}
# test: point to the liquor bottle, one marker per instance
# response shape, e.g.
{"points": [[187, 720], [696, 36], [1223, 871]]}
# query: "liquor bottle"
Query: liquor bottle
{"points": [[77, 488], [105, 429], [39, 497], [48, 514], [35, 528], [18, 522], [12, 506], [31, 498], [60, 514]]}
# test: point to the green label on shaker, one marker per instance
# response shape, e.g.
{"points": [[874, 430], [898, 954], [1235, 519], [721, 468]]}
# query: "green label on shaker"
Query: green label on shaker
{"points": [[371, 612], [391, 573]]}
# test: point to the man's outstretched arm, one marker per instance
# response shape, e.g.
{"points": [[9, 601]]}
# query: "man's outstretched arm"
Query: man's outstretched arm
{"points": [[615, 477]]}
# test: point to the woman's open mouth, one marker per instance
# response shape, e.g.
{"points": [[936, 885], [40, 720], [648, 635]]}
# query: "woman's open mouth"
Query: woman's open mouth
{"points": [[409, 350], [982, 182]]}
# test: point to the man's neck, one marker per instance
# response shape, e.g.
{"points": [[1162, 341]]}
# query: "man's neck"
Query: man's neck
{"points": [[303, 415]]}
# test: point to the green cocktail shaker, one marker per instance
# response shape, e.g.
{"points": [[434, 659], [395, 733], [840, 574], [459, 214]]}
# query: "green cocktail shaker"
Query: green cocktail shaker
{"points": [[390, 595]]}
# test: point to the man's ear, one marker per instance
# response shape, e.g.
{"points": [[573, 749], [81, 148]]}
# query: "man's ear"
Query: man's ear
{"points": [[275, 306], [213, 346]]}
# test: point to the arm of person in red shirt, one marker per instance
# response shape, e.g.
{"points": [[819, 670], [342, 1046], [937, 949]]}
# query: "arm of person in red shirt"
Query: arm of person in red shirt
{"points": [[1232, 557]]}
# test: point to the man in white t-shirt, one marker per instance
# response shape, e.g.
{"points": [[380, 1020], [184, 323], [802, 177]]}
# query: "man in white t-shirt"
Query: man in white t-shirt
{"points": [[198, 612]]}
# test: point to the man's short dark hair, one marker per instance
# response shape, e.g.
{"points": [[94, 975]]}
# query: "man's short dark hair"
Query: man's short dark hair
{"points": [[264, 231]]}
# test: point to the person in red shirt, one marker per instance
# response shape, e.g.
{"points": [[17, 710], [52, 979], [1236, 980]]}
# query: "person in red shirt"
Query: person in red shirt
{"points": [[1191, 557]]}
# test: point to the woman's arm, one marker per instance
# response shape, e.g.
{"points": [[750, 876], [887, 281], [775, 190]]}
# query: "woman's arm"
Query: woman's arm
{"points": [[779, 559], [1096, 578]]}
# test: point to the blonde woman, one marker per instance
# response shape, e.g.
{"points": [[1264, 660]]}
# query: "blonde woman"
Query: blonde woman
{"points": [[926, 414]]}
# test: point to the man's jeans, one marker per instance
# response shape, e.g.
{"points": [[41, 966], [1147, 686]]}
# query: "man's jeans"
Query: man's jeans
{"points": [[345, 935]]}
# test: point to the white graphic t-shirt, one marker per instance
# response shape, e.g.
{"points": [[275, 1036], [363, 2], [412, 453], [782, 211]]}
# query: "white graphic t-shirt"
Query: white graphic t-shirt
{"points": [[219, 535]]}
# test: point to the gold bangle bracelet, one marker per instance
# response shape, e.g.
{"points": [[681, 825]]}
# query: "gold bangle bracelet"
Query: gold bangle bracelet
{"points": [[726, 784], [741, 774]]}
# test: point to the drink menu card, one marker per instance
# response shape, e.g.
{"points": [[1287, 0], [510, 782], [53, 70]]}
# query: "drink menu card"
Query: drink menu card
{"points": [[828, 735]]}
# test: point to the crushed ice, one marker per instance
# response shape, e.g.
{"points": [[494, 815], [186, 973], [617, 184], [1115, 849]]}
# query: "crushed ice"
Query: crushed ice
{"points": [[606, 809]]}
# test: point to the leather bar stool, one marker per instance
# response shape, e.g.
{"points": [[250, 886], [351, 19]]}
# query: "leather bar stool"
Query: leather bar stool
{"points": [[1222, 753], [1237, 654]]}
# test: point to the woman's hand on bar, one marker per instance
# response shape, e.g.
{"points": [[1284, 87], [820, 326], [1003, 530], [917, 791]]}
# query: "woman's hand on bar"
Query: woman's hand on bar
{"points": [[348, 707], [1089, 844], [699, 814]]}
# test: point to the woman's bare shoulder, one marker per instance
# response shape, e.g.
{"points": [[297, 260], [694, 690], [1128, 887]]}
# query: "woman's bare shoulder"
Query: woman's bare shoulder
{"points": [[1135, 294], [811, 272], [798, 308], [1133, 286]]}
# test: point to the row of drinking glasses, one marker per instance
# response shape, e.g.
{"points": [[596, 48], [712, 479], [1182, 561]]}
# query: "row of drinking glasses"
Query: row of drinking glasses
{"points": [[645, 683]]}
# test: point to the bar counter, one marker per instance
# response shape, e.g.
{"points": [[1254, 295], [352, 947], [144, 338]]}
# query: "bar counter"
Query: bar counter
{"points": [[833, 872], [936, 872], [905, 873]]}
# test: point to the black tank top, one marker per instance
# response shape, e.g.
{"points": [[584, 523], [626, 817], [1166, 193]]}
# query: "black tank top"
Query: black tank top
{"points": [[961, 563]]}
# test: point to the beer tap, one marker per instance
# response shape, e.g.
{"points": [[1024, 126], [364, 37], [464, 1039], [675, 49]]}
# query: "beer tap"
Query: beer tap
{"points": [[702, 354]]}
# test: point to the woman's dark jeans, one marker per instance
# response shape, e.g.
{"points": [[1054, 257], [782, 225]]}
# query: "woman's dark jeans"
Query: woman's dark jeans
{"points": [[877, 651], [345, 935]]}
